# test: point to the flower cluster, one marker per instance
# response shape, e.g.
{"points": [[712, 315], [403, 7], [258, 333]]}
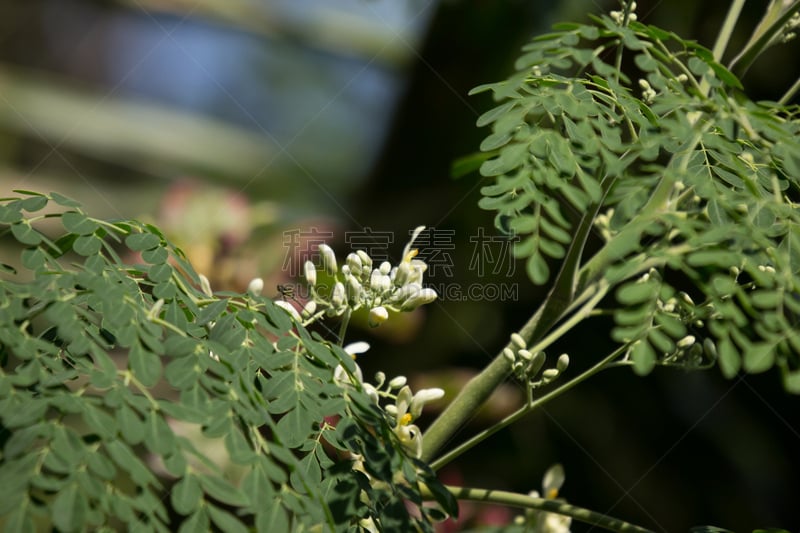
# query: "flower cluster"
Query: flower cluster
{"points": [[648, 93], [789, 30], [360, 283], [403, 406], [526, 365], [619, 16]]}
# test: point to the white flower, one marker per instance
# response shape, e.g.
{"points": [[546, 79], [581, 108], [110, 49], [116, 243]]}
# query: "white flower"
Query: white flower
{"points": [[407, 408], [422, 397], [310, 272]]}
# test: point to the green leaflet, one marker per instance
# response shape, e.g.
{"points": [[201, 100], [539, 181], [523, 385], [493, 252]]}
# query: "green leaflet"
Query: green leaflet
{"points": [[237, 380]]}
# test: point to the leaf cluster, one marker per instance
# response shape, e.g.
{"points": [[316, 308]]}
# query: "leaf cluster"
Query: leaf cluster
{"points": [[130, 399], [643, 135]]}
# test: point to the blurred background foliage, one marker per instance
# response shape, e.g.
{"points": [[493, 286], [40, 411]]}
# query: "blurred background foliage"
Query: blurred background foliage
{"points": [[241, 127]]}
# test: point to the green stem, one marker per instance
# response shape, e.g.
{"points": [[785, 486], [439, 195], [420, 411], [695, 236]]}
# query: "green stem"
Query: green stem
{"points": [[727, 29], [524, 410], [343, 326], [723, 38], [551, 506], [788, 95], [626, 14]]}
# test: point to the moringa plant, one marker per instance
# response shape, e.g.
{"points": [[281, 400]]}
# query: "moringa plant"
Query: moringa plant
{"points": [[134, 397]]}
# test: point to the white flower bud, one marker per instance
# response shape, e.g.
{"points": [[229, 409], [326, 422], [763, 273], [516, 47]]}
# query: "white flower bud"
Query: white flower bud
{"points": [[424, 296], [405, 292], [550, 374], [525, 355], [371, 391], [391, 410], [385, 267], [366, 260], [377, 316], [402, 274], [375, 280], [536, 363], [255, 286], [338, 295], [380, 377], [205, 286], [310, 273], [355, 263], [710, 349], [328, 258], [397, 382], [385, 283], [289, 308], [354, 290], [517, 339], [310, 308], [563, 362], [508, 353], [685, 342]]}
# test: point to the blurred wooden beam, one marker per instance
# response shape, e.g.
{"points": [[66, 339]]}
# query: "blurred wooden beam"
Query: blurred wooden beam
{"points": [[328, 29], [131, 133]]}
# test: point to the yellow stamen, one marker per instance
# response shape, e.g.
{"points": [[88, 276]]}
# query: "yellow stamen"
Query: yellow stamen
{"points": [[552, 494], [405, 419], [410, 255]]}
